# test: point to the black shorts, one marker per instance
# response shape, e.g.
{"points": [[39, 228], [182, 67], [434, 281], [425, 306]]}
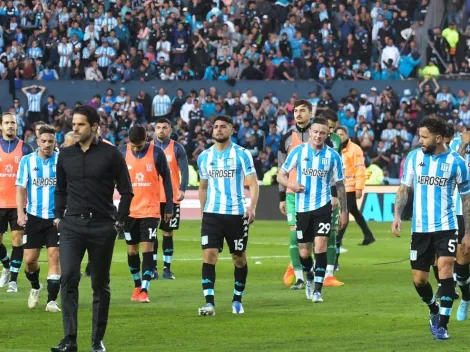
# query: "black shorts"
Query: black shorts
{"points": [[174, 223], [9, 216], [140, 230], [461, 225], [40, 232], [217, 227], [425, 246], [314, 223]]}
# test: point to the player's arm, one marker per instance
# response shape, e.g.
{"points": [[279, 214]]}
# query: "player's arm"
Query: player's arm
{"points": [[337, 182], [283, 173], [203, 182], [252, 181], [163, 170], [360, 169], [182, 159], [123, 184], [402, 194], [465, 142], [22, 179], [60, 193], [463, 182], [281, 159]]}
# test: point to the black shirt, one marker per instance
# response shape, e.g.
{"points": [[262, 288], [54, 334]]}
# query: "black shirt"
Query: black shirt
{"points": [[86, 180]]}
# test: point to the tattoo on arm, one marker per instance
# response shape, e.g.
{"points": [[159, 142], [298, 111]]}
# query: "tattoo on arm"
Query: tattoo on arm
{"points": [[466, 210], [343, 203], [401, 200]]}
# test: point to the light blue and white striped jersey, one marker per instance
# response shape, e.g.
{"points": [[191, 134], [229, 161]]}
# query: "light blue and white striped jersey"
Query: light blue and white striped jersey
{"points": [[455, 144], [317, 171], [225, 172], [38, 176], [434, 179]]}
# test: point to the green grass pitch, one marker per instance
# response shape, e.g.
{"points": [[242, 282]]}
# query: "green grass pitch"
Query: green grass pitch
{"points": [[377, 309]]}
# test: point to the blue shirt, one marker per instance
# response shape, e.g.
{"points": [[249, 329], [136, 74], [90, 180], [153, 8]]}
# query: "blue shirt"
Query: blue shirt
{"points": [[434, 179], [225, 172], [38, 176], [317, 171]]}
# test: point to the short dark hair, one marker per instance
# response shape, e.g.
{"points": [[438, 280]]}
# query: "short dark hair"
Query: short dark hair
{"points": [[435, 125], [342, 128], [224, 118], [137, 134], [320, 120], [329, 115], [40, 123], [163, 120], [46, 129], [450, 130], [90, 113], [5, 114], [303, 102]]}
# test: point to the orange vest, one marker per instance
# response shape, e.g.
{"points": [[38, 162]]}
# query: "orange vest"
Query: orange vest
{"points": [[145, 180], [174, 171], [293, 174], [353, 167], [9, 163]]}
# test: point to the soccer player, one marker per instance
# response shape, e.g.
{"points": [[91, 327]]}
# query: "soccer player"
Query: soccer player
{"points": [[12, 149], [178, 162], [223, 169], [318, 168], [296, 136], [461, 144], [433, 171], [147, 164], [333, 141], [37, 179]]}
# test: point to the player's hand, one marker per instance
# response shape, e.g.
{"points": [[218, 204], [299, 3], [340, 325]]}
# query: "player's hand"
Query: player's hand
{"points": [[396, 227], [250, 214], [119, 226], [167, 217], [282, 208], [297, 188], [334, 203], [22, 219], [466, 137], [465, 245], [343, 220], [180, 196], [358, 194]]}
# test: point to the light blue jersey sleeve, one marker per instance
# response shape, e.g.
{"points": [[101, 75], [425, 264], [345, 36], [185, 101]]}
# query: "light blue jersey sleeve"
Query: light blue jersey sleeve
{"points": [[292, 159], [337, 168], [201, 161], [462, 177], [408, 170], [247, 163], [22, 177]]}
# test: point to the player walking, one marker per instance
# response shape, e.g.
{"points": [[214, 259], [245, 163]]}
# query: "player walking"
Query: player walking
{"points": [[37, 179], [12, 149], [296, 136], [177, 162], [318, 168], [434, 171], [223, 169], [146, 164]]}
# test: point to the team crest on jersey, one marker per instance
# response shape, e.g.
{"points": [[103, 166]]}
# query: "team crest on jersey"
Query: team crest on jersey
{"points": [[229, 162], [444, 167], [325, 161], [17, 159], [148, 167]]}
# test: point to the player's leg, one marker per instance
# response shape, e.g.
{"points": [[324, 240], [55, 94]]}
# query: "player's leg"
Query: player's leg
{"points": [[305, 226], [53, 274], [237, 241], [421, 258], [351, 200], [167, 244], [462, 273], [330, 279], [31, 256], [360, 221], [4, 258], [295, 266], [445, 245], [132, 237], [148, 238], [17, 249], [212, 241]]}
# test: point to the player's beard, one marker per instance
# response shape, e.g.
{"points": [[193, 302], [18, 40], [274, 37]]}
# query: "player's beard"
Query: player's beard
{"points": [[221, 140], [430, 149]]}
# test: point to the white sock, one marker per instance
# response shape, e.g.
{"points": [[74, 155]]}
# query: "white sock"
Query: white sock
{"points": [[299, 275], [330, 269]]}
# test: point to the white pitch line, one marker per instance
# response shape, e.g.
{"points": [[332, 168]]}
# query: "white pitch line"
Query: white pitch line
{"points": [[220, 258]]}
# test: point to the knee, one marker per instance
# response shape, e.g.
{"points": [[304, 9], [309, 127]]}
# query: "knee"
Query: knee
{"points": [[305, 253], [70, 278], [167, 234], [99, 283], [210, 257], [420, 278], [239, 260], [132, 251], [293, 228]]}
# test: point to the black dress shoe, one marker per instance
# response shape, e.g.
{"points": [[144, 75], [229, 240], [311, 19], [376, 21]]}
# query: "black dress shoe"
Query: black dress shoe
{"points": [[367, 241], [65, 346], [98, 347]]}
